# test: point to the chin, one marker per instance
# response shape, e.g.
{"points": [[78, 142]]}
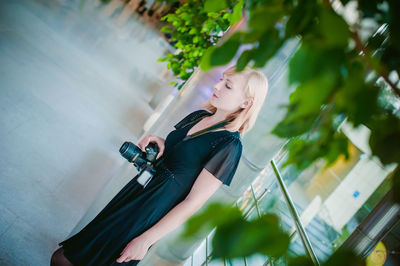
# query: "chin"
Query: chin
{"points": [[213, 104]]}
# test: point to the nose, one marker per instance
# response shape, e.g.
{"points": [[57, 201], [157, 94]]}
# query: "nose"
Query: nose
{"points": [[217, 86]]}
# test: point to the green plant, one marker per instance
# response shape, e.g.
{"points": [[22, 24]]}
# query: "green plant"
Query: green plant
{"points": [[195, 26], [342, 69], [237, 237], [337, 73]]}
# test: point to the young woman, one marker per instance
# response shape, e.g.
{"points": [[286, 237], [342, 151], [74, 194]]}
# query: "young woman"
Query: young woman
{"points": [[193, 168]]}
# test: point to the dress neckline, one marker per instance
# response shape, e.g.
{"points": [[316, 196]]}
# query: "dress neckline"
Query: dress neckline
{"points": [[186, 136]]}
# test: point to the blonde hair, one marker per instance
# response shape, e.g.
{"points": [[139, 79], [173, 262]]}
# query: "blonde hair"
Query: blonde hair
{"points": [[256, 87]]}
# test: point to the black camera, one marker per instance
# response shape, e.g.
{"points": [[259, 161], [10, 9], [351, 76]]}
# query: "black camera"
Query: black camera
{"points": [[143, 161]]}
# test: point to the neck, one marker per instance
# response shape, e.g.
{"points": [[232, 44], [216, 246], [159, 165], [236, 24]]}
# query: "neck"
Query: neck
{"points": [[219, 115]]}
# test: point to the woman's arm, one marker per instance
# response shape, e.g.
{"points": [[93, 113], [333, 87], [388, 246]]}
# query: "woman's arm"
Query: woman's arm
{"points": [[203, 188]]}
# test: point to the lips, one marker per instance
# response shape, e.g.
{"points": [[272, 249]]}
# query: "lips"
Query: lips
{"points": [[215, 95]]}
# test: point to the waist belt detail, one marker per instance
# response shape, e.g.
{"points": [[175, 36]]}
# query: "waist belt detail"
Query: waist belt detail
{"points": [[165, 173], [163, 170]]}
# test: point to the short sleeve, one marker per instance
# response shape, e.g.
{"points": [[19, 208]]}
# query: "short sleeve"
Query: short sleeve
{"points": [[224, 160], [191, 117]]}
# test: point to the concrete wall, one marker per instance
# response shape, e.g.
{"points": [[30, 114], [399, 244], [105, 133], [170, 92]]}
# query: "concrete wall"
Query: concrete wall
{"points": [[74, 86]]}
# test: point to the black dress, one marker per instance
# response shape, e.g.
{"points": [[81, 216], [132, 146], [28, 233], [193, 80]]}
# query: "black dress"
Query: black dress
{"points": [[134, 209]]}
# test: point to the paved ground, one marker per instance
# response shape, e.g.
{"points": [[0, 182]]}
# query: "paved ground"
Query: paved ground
{"points": [[74, 86]]}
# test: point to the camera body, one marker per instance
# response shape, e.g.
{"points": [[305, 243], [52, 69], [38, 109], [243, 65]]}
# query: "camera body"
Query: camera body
{"points": [[143, 161]]}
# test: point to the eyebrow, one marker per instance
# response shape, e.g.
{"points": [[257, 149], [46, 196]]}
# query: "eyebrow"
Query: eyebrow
{"points": [[227, 78]]}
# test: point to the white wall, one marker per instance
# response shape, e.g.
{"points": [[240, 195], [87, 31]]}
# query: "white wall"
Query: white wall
{"points": [[73, 89]]}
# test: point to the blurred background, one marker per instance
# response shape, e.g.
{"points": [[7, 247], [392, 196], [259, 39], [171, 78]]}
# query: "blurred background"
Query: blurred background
{"points": [[78, 78]]}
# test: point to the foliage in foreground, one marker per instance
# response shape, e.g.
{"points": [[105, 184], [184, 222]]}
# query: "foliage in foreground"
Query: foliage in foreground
{"points": [[343, 69], [195, 26]]}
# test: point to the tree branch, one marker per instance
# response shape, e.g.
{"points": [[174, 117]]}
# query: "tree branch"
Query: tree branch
{"points": [[368, 58], [382, 71]]}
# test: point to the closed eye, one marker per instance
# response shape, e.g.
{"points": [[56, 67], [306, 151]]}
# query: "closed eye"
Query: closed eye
{"points": [[226, 85]]}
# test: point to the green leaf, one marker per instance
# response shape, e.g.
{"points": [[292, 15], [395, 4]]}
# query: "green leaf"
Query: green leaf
{"points": [[180, 86], [215, 214], [301, 19], [385, 137], [325, 143], [396, 183], [244, 59], [344, 257], [227, 16], [288, 128], [300, 261], [301, 153], [223, 54], [336, 147], [269, 43], [220, 55], [311, 61], [193, 31], [251, 36], [185, 16], [215, 6], [238, 238], [166, 29], [390, 57], [237, 12], [265, 17], [309, 96], [358, 99], [334, 28], [196, 39], [164, 17], [205, 61]]}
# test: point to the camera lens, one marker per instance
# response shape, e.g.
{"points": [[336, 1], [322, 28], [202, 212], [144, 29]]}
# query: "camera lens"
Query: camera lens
{"points": [[130, 151], [124, 147]]}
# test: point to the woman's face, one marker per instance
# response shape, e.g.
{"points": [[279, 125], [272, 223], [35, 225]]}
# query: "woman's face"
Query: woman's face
{"points": [[229, 93]]}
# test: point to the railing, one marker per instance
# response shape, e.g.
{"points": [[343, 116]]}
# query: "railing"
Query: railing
{"points": [[289, 202], [299, 226]]}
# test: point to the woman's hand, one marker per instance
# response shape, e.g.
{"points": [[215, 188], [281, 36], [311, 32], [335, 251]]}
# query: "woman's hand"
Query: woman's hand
{"points": [[135, 250], [152, 138]]}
